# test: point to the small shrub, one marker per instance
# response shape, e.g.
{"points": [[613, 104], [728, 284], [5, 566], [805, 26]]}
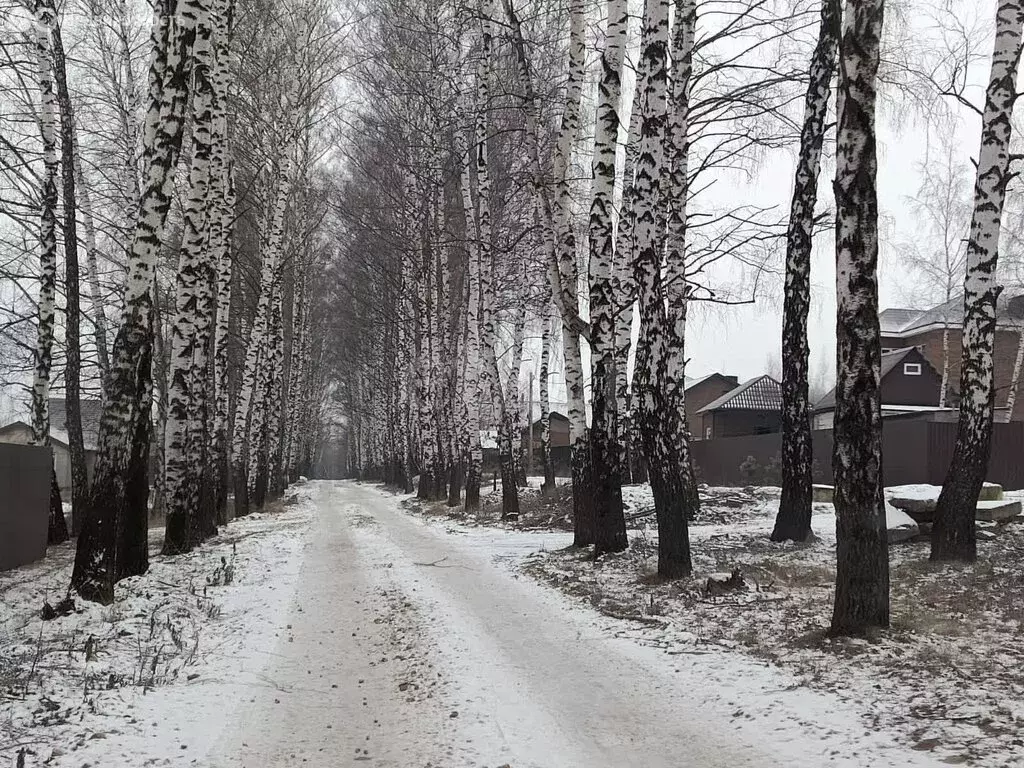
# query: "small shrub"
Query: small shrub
{"points": [[750, 471], [223, 574]]}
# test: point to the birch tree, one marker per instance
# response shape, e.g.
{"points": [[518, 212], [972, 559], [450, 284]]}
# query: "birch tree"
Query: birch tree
{"points": [[654, 415], [187, 463], [72, 333], [793, 521], [113, 543], [44, 21], [862, 564], [677, 287], [560, 244], [606, 458], [953, 534]]}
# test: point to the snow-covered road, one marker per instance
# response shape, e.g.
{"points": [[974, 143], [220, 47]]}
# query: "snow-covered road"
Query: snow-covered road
{"points": [[411, 645]]}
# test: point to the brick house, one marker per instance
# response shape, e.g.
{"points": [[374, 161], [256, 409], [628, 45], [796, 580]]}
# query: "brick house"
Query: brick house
{"points": [[700, 392], [902, 328], [909, 382], [752, 408]]}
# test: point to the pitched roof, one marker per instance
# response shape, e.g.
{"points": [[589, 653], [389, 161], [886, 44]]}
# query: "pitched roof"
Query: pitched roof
{"points": [[890, 360], [552, 416], [762, 393], [91, 411], [691, 383], [57, 436], [894, 320], [900, 322]]}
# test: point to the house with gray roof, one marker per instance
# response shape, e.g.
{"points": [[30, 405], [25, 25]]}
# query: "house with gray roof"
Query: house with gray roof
{"points": [[909, 384], [751, 408], [936, 333]]}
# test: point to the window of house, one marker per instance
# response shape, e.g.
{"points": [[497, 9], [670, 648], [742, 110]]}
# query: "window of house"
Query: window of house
{"points": [[911, 369]]}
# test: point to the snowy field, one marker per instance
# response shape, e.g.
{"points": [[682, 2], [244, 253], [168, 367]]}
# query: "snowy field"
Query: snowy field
{"points": [[153, 678], [946, 679]]}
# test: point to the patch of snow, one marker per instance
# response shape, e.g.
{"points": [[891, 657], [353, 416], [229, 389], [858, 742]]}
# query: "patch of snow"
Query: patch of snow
{"points": [[155, 677]]}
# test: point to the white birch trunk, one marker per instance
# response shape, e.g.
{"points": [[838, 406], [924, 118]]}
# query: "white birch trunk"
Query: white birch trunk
{"points": [[953, 536], [46, 305], [606, 451], [1018, 361], [650, 391], [793, 521], [96, 313], [185, 441], [550, 329], [113, 543], [560, 244], [473, 391], [248, 404], [862, 566], [944, 386]]}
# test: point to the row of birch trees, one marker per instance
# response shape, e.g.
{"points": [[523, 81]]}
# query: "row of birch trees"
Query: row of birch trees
{"points": [[204, 227], [479, 210], [470, 232]]}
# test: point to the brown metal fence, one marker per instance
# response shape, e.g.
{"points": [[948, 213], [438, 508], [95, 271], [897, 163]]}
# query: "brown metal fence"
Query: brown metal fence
{"points": [[912, 452], [24, 503]]}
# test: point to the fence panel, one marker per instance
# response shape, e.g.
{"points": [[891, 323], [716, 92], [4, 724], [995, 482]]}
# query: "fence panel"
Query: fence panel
{"points": [[24, 503]]}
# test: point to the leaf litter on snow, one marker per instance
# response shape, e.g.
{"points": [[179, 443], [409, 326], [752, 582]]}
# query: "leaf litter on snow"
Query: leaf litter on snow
{"points": [[86, 682]]}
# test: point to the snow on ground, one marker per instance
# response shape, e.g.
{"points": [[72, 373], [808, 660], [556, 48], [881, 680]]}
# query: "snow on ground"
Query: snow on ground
{"points": [[153, 678], [946, 677], [543, 683]]}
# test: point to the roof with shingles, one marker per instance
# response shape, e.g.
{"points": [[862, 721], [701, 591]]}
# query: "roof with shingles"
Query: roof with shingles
{"points": [[91, 411], [691, 383], [762, 393], [901, 321]]}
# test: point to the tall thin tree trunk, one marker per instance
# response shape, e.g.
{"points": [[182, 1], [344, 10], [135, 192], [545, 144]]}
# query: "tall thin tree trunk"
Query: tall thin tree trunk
{"points": [[953, 534], [96, 313], [624, 286], [654, 414], [44, 23], [159, 506], [677, 286], [113, 540], [944, 387], [222, 225], [793, 521], [247, 442], [605, 450], [221, 431], [72, 334], [862, 556], [187, 377], [1018, 363], [560, 244], [548, 488]]}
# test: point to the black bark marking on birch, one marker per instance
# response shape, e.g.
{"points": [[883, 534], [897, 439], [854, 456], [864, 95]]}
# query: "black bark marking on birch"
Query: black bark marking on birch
{"points": [[862, 564], [953, 532], [793, 521]]}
